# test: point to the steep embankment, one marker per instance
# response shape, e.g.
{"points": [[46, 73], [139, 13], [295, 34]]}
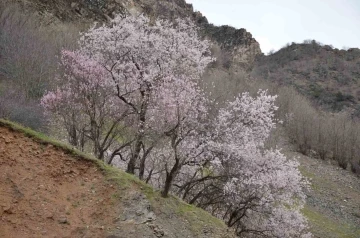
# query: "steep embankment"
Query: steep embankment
{"points": [[48, 190]]}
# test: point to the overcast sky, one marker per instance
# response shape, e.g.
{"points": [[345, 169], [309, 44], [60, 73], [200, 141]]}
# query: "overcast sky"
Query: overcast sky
{"points": [[273, 23]]}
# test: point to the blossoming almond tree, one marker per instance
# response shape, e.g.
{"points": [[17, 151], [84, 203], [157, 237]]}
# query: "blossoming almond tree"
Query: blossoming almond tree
{"points": [[264, 189], [256, 191], [141, 75], [139, 55], [84, 105]]}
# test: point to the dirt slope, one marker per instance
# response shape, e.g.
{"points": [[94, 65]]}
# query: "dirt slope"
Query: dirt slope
{"points": [[47, 191]]}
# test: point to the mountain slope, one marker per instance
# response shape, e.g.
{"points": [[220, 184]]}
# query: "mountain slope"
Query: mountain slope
{"points": [[333, 202], [48, 190], [240, 46], [330, 77]]}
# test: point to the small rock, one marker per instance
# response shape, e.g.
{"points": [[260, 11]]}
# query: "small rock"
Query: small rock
{"points": [[139, 212], [8, 209], [49, 215], [63, 220], [150, 218], [158, 231]]}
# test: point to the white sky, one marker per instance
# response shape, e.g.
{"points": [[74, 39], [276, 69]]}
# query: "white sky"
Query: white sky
{"points": [[273, 23]]}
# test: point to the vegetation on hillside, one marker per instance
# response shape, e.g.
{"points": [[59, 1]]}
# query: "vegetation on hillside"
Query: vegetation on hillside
{"points": [[328, 76], [130, 94], [29, 53]]}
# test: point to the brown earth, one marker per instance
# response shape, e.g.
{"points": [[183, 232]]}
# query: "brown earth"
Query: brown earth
{"points": [[46, 193], [47, 190]]}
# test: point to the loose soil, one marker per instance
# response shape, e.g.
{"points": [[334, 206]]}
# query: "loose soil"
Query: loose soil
{"points": [[46, 193]]}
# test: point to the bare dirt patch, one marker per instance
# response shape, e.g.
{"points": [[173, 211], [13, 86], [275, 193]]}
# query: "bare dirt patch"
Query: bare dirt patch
{"points": [[47, 193]]}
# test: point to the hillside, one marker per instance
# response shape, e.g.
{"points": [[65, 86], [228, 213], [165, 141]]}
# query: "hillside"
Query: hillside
{"points": [[49, 190], [241, 48], [333, 201], [328, 76], [332, 204]]}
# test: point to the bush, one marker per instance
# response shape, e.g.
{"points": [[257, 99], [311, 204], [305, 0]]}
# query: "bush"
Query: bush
{"points": [[331, 135]]}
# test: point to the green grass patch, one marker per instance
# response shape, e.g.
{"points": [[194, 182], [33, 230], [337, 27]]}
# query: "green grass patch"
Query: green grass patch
{"points": [[196, 218], [313, 179], [306, 173], [323, 226]]}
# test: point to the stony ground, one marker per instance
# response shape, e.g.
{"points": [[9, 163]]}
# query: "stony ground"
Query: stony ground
{"points": [[46, 192], [333, 203]]}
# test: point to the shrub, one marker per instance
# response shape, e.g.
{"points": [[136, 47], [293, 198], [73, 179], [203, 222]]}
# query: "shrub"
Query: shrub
{"points": [[28, 62]]}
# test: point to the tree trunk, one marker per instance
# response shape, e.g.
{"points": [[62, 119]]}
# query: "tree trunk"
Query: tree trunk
{"points": [[72, 132], [132, 162], [170, 177], [142, 162], [140, 133]]}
